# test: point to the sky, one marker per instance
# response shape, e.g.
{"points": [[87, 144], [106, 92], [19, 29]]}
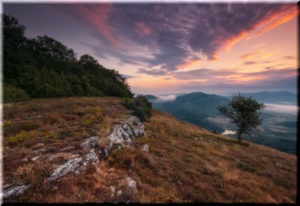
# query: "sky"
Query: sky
{"points": [[170, 48]]}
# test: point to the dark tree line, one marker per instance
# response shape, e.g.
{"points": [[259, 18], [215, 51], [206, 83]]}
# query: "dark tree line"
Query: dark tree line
{"points": [[43, 67]]}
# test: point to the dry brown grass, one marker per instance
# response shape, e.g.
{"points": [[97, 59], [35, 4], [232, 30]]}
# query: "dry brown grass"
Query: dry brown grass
{"points": [[185, 163], [191, 164]]}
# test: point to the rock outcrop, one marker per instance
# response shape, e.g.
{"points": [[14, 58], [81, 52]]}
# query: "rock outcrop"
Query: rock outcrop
{"points": [[14, 190], [121, 135], [70, 166]]}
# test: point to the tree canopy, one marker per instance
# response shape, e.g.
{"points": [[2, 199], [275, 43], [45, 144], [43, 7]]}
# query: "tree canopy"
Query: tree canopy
{"points": [[43, 67], [244, 113]]}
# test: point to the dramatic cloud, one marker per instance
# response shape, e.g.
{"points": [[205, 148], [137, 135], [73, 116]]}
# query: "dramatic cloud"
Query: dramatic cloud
{"points": [[168, 42], [228, 78], [97, 15], [177, 34]]}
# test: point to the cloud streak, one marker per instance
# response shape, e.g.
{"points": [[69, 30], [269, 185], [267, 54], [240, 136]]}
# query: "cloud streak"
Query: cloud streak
{"points": [[98, 15], [168, 42], [229, 78], [176, 34]]}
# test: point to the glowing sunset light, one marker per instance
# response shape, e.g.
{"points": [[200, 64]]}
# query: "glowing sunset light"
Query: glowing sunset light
{"points": [[177, 47], [188, 64], [251, 55], [280, 19]]}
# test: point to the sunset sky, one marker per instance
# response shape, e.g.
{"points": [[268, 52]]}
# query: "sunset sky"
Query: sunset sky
{"points": [[177, 48]]}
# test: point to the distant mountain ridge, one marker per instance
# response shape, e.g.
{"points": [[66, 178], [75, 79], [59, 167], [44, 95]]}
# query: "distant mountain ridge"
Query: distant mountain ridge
{"points": [[273, 97], [189, 107]]}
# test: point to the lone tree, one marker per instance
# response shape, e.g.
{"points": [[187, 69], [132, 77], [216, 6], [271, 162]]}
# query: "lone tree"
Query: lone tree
{"points": [[243, 111]]}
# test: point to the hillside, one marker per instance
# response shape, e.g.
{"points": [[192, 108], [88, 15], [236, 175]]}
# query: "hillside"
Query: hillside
{"points": [[166, 161]]}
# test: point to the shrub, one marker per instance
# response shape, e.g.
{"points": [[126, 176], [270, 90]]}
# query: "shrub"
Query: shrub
{"points": [[20, 137], [12, 93], [11, 129], [141, 107], [52, 135]]}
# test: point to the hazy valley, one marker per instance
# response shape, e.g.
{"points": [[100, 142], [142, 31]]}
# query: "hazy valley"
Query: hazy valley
{"points": [[278, 130]]}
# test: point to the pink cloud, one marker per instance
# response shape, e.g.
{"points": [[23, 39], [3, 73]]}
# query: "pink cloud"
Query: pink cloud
{"points": [[142, 29], [271, 21], [97, 16]]}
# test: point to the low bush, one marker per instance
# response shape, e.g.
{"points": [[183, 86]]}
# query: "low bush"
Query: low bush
{"points": [[11, 129], [12, 93], [140, 105], [20, 137]]}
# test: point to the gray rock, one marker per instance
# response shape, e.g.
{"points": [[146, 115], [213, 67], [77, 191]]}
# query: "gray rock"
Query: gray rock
{"points": [[90, 158], [10, 190], [39, 150], [90, 143], [94, 141], [35, 158], [119, 193], [67, 148], [123, 133], [69, 166], [38, 145], [113, 191], [24, 159], [131, 183], [145, 148]]}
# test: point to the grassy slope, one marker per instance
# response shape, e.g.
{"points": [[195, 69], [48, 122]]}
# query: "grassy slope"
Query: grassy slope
{"points": [[185, 163]]}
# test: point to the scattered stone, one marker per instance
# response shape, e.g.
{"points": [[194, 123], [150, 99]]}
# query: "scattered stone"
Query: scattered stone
{"points": [[119, 193], [67, 148], [39, 150], [69, 166], [35, 158], [53, 157], [131, 183], [113, 191], [24, 159], [38, 145], [11, 190], [90, 143], [91, 158], [145, 148]]}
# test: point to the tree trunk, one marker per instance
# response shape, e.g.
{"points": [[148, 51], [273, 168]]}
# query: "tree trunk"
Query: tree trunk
{"points": [[240, 136]]}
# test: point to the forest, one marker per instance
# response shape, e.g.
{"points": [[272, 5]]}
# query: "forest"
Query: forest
{"points": [[43, 67]]}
